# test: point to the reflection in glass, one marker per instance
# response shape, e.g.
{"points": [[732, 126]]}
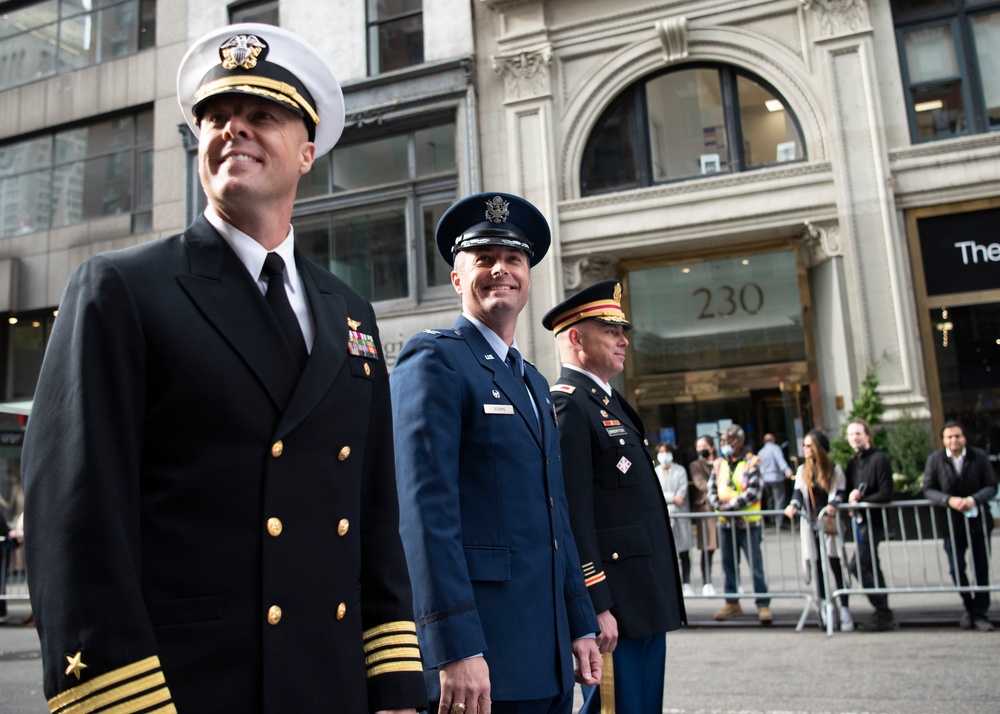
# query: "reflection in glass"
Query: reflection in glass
{"points": [[769, 132], [438, 271], [366, 248], [687, 132], [371, 163], [939, 110], [930, 54], [986, 30], [435, 149], [729, 312], [609, 159]]}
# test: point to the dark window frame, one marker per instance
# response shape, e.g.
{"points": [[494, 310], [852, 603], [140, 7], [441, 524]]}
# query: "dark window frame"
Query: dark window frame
{"points": [[235, 9], [960, 18], [729, 93], [374, 24]]}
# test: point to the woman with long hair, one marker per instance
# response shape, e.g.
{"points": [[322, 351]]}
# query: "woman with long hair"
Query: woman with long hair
{"points": [[820, 485], [699, 471]]}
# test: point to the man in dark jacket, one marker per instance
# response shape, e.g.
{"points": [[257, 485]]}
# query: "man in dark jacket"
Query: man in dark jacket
{"points": [[960, 478], [208, 468], [869, 478], [616, 505]]}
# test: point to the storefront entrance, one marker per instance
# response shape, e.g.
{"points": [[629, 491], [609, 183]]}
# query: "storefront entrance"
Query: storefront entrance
{"points": [[718, 341], [956, 259]]}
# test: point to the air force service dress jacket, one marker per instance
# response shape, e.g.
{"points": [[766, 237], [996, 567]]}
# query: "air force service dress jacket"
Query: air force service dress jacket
{"points": [[209, 526], [619, 517], [484, 517]]}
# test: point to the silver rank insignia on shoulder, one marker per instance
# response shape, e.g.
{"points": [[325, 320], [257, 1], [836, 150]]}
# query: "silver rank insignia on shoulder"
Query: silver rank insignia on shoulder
{"points": [[361, 345], [241, 51], [432, 332]]}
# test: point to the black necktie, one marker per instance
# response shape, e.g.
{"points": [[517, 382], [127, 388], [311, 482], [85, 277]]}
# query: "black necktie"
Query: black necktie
{"points": [[277, 298], [514, 362]]}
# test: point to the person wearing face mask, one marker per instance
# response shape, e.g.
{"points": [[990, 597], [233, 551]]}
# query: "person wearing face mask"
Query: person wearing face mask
{"points": [[674, 483], [700, 470], [736, 485]]}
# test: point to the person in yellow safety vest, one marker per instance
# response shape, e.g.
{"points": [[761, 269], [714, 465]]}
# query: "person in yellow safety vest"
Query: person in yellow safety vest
{"points": [[736, 485]]}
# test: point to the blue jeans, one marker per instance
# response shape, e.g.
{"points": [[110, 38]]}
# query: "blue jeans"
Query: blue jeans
{"points": [[742, 537]]}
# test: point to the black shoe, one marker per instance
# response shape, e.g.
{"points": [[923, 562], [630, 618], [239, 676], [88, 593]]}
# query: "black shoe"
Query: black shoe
{"points": [[966, 622], [881, 621]]}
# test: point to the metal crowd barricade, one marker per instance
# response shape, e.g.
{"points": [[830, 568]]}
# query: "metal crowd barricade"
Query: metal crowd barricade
{"points": [[13, 580], [781, 552], [911, 551]]}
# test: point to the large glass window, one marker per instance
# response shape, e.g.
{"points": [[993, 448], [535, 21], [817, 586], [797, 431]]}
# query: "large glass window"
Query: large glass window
{"points": [[45, 38], [949, 50], [100, 169], [27, 336], [686, 123], [367, 211], [727, 312], [265, 11], [395, 34]]}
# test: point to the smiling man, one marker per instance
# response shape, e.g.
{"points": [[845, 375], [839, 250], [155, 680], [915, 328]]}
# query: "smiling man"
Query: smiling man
{"points": [[213, 530], [616, 505], [500, 602]]}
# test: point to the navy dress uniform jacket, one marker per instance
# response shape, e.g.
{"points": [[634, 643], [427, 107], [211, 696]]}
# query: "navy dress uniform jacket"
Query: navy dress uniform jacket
{"points": [[184, 481], [483, 516], [616, 506]]}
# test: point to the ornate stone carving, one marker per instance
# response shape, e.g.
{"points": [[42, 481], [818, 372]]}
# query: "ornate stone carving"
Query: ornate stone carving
{"points": [[584, 272], [839, 16], [526, 74], [674, 35], [821, 241]]}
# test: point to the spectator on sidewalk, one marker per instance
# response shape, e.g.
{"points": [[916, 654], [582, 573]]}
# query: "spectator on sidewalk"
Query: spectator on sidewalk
{"points": [[699, 471], [674, 483], [735, 486], [820, 486], [869, 477], [776, 472], [960, 479]]}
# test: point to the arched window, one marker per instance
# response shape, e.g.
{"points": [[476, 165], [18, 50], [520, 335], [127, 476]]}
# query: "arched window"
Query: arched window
{"points": [[685, 123]]}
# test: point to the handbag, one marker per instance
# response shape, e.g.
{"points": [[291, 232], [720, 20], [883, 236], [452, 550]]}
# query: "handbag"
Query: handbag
{"points": [[829, 522]]}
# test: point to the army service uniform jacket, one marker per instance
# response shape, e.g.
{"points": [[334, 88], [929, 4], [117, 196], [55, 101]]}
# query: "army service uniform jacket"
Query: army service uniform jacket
{"points": [[617, 510], [483, 516], [212, 529]]}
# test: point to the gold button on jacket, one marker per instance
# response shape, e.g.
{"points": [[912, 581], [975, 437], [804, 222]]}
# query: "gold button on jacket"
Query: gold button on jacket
{"points": [[274, 526], [343, 526], [341, 611], [277, 448], [344, 453], [273, 615]]}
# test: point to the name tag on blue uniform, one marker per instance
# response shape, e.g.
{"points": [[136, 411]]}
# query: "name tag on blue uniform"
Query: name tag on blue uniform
{"points": [[498, 408]]}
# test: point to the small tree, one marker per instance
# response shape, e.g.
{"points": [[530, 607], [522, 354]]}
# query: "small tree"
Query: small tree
{"points": [[908, 445]]}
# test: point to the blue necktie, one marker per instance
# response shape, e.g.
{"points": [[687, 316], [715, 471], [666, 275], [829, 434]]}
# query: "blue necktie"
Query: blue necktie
{"points": [[514, 362]]}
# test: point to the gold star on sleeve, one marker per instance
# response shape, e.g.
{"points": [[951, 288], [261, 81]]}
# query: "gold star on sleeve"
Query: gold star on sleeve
{"points": [[76, 665]]}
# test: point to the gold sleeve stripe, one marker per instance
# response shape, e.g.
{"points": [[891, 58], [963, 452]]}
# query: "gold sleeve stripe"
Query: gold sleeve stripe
{"points": [[140, 704], [394, 653], [594, 580], [143, 666], [388, 667], [169, 709], [391, 628], [389, 640], [589, 569], [117, 694]]}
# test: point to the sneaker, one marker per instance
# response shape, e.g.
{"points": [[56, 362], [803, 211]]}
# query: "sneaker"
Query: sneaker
{"points": [[708, 590], [966, 622], [982, 624], [729, 611], [764, 615], [687, 589], [846, 621]]}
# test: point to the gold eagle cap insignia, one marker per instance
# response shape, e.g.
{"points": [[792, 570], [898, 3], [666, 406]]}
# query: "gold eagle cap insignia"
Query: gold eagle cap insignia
{"points": [[241, 51]]}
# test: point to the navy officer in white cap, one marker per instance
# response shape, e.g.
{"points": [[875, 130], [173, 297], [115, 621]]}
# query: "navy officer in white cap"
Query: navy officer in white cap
{"points": [[499, 597], [209, 465]]}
